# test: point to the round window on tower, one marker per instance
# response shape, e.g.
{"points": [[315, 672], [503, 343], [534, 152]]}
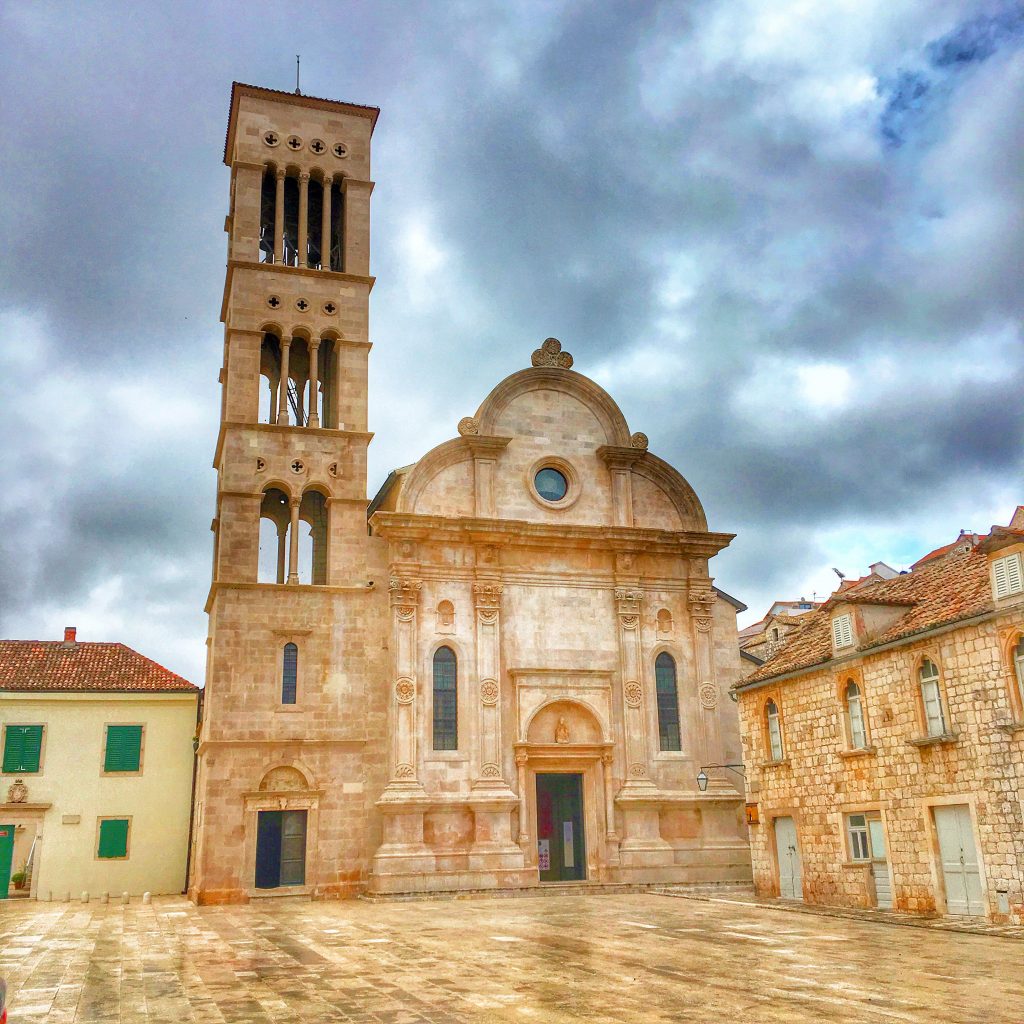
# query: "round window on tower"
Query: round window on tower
{"points": [[551, 484]]}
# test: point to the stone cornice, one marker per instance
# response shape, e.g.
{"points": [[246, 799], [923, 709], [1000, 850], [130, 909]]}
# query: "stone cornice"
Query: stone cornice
{"points": [[304, 588], [619, 457], [523, 533], [352, 435]]}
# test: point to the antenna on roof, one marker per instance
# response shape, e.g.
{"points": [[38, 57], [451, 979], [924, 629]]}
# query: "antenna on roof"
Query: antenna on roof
{"points": [[298, 91]]}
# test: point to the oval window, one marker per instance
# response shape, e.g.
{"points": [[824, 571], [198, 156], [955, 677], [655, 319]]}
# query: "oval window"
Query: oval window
{"points": [[551, 484]]}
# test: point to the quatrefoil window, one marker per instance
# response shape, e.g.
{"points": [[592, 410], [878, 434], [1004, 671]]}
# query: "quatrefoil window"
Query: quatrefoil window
{"points": [[330, 308], [274, 301], [340, 150], [302, 305], [317, 145], [261, 464], [271, 138], [294, 142], [298, 466]]}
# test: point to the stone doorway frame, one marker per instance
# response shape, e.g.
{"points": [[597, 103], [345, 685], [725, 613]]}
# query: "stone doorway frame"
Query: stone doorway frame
{"points": [[592, 761], [28, 814]]}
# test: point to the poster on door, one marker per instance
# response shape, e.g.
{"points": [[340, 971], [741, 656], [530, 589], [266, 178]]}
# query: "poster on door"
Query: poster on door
{"points": [[544, 854]]}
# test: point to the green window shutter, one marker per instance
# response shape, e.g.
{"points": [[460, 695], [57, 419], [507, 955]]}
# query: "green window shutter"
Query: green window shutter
{"points": [[22, 744], [124, 748], [114, 838]]}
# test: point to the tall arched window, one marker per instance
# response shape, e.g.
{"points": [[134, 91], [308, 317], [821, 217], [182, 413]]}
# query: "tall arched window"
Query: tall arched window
{"points": [[446, 704], [1018, 671], [931, 698], [856, 727], [668, 702], [289, 673], [774, 729]]}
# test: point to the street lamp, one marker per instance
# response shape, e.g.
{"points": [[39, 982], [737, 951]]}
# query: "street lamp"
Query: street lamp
{"points": [[702, 775]]}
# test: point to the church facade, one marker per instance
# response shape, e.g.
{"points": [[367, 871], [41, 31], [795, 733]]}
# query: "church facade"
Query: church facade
{"points": [[506, 670]]}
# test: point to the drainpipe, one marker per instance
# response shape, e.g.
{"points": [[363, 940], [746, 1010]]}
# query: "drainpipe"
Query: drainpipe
{"points": [[192, 804]]}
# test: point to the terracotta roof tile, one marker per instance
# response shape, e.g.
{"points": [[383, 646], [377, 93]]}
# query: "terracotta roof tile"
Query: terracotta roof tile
{"points": [[940, 592], [52, 665]]}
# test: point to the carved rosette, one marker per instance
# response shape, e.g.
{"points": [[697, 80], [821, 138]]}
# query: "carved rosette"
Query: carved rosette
{"points": [[708, 694], [405, 690], [639, 440], [490, 771], [634, 693], [405, 771], [638, 771], [17, 792], [551, 354], [489, 692], [469, 426]]}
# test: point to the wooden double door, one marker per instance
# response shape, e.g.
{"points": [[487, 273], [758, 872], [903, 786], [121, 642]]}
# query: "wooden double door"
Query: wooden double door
{"points": [[561, 845], [280, 849]]}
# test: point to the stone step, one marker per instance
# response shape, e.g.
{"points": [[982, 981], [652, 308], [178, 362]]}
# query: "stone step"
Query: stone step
{"points": [[552, 889]]}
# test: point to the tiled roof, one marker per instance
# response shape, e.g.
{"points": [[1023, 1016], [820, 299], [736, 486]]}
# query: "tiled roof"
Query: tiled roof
{"points": [[943, 591], [52, 665]]}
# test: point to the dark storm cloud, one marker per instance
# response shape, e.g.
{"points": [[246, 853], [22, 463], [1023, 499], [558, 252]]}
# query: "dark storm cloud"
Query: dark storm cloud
{"points": [[788, 241]]}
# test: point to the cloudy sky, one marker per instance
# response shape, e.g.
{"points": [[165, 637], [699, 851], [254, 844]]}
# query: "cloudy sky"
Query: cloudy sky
{"points": [[787, 236]]}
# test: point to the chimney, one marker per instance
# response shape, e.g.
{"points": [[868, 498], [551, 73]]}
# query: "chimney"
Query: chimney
{"points": [[69, 636]]}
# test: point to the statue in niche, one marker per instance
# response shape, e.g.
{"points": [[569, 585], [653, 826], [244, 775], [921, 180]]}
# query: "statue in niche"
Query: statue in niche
{"points": [[562, 731]]}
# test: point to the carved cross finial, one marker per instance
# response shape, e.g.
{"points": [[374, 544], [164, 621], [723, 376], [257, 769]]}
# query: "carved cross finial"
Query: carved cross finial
{"points": [[551, 354]]}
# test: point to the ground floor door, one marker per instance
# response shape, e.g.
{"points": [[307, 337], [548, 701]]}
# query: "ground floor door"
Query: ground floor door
{"points": [[6, 857], [791, 880], [280, 849], [961, 872], [561, 851], [879, 862]]}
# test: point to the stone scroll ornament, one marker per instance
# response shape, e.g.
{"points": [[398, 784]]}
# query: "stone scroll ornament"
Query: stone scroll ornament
{"points": [[551, 354]]}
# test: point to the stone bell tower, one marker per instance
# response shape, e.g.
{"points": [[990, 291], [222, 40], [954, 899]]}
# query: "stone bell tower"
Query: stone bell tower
{"points": [[281, 800]]}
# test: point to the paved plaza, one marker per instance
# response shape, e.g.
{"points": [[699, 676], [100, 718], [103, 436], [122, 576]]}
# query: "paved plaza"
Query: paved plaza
{"points": [[545, 959]]}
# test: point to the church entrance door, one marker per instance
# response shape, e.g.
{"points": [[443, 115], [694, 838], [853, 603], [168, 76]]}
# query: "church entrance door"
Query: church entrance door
{"points": [[561, 850]]}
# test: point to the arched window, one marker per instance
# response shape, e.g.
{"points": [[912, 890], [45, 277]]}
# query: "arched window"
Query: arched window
{"points": [[446, 704], [268, 203], [274, 528], [289, 673], [931, 698], [774, 729], [856, 728], [668, 702], [312, 561], [1018, 671]]}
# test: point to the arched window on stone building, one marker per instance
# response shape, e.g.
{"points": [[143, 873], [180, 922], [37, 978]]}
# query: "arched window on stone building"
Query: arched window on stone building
{"points": [[274, 526], [289, 673], [313, 538], [668, 702], [933, 713], [446, 710], [773, 730], [856, 724], [1017, 659]]}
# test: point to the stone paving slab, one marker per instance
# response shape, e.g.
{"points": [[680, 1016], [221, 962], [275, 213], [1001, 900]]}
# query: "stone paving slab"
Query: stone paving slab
{"points": [[601, 959], [744, 895]]}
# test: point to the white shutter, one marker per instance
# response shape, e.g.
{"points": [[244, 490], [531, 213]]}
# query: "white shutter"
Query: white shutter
{"points": [[1007, 576], [842, 631]]}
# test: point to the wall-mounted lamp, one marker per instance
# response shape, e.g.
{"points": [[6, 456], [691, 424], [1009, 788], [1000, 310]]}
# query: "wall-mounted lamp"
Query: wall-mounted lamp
{"points": [[702, 775]]}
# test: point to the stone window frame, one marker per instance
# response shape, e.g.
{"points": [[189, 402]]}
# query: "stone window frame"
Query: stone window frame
{"points": [[42, 748], [774, 699], [283, 637], [919, 658], [1014, 666], [655, 723], [843, 680], [465, 733]]}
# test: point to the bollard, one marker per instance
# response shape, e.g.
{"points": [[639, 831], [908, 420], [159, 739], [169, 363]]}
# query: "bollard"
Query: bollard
{"points": [[67, 897], [124, 898], [49, 896], [146, 898], [105, 897], [85, 896]]}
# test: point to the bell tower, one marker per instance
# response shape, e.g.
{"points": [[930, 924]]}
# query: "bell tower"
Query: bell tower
{"points": [[289, 717]]}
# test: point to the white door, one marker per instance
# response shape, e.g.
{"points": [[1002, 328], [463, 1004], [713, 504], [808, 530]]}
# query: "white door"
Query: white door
{"points": [[791, 883], [879, 864], [960, 871]]}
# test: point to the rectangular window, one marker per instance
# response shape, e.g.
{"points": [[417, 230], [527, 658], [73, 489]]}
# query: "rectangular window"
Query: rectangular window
{"points": [[857, 829], [1007, 576], [113, 839], [842, 631], [123, 751], [775, 737], [22, 746], [932, 698]]}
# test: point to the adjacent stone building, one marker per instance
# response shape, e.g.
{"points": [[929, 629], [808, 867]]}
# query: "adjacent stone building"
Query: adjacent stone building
{"points": [[884, 741], [505, 670], [97, 747]]}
